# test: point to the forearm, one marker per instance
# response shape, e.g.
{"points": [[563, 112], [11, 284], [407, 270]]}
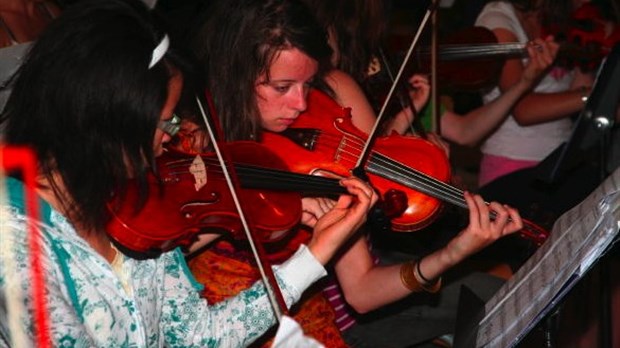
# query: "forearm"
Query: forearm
{"points": [[248, 314], [367, 286], [434, 265], [400, 123], [380, 286], [538, 108], [471, 128]]}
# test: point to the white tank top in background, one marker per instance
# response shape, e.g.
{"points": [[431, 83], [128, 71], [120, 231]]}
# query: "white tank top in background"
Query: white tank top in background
{"points": [[532, 143]]}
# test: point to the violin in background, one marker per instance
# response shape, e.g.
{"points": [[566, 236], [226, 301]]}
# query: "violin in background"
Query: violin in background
{"points": [[589, 30], [471, 59]]}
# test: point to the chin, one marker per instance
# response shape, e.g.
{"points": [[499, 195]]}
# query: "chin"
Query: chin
{"points": [[277, 128]]}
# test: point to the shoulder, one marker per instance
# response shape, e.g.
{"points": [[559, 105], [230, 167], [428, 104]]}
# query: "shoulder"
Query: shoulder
{"points": [[498, 14], [339, 80], [343, 85]]}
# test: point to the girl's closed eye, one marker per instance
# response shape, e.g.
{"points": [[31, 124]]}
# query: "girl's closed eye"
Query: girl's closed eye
{"points": [[281, 88]]}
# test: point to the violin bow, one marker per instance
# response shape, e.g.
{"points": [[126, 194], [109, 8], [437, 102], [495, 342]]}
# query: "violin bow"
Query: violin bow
{"points": [[434, 80], [405, 100], [273, 290], [358, 170]]}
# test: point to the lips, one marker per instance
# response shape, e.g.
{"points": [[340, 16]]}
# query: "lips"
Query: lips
{"points": [[288, 121]]}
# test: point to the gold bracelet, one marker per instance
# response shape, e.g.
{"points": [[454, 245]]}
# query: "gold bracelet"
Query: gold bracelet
{"points": [[431, 286], [407, 276]]}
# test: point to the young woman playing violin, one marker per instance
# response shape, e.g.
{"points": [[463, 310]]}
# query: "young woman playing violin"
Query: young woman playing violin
{"points": [[356, 30], [96, 104], [540, 121], [262, 58]]}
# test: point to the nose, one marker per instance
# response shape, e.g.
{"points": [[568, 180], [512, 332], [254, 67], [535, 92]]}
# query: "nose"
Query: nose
{"points": [[166, 138], [299, 99]]}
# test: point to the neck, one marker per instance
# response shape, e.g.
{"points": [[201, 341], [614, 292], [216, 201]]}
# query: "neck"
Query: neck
{"points": [[97, 240]]}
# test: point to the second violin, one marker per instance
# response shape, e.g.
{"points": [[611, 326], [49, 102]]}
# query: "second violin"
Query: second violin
{"points": [[191, 198]]}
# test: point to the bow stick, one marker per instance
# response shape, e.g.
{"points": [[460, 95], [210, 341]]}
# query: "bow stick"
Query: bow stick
{"points": [[359, 170], [273, 290]]}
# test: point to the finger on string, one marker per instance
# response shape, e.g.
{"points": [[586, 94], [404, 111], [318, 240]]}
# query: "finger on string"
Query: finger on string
{"points": [[484, 211], [361, 185], [501, 215], [474, 212], [515, 217]]}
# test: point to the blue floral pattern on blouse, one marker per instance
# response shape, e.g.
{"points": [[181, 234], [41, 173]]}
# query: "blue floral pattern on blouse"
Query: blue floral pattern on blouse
{"points": [[88, 305]]}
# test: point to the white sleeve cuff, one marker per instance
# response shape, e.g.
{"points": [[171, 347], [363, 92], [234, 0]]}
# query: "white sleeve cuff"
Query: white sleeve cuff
{"points": [[301, 270]]}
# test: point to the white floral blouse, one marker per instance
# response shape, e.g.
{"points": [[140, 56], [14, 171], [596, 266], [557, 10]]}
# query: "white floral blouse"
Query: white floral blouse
{"points": [[148, 303]]}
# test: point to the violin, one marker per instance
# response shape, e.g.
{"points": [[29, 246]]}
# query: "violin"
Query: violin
{"points": [[411, 174], [191, 197], [472, 59], [589, 29]]}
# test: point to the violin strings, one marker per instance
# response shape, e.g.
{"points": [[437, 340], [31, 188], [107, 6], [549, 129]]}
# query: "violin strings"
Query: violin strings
{"points": [[383, 166], [436, 188], [431, 186], [348, 150], [388, 168], [457, 51], [258, 176], [303, 182], [397, 171]]}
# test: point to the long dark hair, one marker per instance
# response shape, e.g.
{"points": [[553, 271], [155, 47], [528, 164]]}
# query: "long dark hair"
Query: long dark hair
{"points": [[358, 28], [237, 40], [86, 101]]}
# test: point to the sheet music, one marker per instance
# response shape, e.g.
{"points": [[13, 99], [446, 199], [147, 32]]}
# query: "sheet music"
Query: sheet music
{"points": [[577, 240]]}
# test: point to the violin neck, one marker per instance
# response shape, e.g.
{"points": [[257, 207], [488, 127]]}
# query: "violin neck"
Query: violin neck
{"points": [[476, 51], [387, 168], [505, 50], [254, 177]]}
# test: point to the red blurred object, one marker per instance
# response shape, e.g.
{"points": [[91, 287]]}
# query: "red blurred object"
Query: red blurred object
{"points": [[24, 160]]}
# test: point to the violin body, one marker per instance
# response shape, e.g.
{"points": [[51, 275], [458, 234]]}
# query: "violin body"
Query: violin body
{"points": [[192, 197], [325, 142]]}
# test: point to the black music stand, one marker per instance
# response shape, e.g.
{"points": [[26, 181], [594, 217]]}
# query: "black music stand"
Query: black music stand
{"points": [[578, 241], [593, 136], [593, 132], [594, 126]]}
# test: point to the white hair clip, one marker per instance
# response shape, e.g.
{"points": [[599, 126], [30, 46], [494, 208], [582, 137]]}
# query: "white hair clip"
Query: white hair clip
{"points": [[159, 51]]}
